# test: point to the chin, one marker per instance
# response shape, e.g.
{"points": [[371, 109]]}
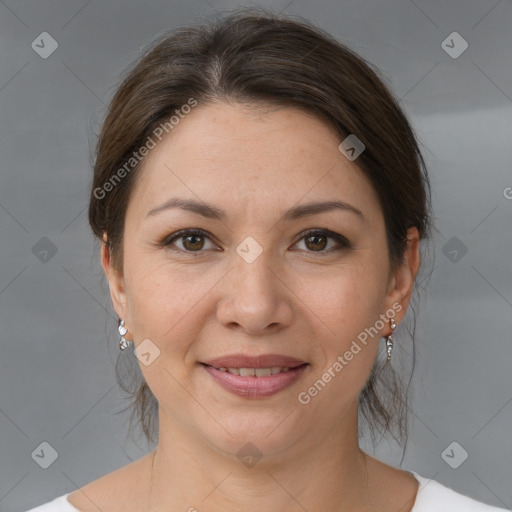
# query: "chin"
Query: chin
{"points": [[264, 431]]}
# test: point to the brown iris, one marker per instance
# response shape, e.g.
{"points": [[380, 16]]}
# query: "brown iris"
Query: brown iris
{"points": [[194, 245], [316, 244]]}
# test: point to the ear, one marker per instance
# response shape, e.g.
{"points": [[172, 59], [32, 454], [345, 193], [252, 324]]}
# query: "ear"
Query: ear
{"points": [[115, 280], [402, 282]]}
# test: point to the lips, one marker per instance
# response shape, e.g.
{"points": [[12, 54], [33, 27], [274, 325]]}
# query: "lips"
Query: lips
{"points": [[262, 361], [252, 387]]}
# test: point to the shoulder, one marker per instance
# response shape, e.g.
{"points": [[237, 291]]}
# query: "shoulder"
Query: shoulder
{"points": [[122, 490], [432, 495], [60, 504]]}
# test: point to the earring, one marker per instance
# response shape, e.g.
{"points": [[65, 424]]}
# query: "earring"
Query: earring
{"points": [[389, 340], [123, 344]]}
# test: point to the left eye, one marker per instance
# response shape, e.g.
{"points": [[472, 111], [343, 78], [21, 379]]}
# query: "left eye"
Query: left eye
{"points": [[316, 240]]}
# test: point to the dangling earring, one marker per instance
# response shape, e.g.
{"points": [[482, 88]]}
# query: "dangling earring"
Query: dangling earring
{"points": [[123, 344], [389, 340]]}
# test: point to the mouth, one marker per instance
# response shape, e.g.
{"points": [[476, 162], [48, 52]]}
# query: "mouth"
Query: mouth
{"points": [[255, 372], [255, 383], [264, 361]]}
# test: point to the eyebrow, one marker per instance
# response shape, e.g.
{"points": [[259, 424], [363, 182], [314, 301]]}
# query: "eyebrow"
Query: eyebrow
{"points": [[212, 212]]}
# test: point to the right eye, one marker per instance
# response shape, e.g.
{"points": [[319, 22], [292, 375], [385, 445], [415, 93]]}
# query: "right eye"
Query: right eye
{"points": [[191, 240]]}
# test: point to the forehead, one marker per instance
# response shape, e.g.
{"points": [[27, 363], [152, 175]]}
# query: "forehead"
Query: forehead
{"points": [[230, 152]]}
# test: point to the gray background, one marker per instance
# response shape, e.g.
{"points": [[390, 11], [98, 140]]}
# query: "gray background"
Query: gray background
{"points": [[58, 331]]}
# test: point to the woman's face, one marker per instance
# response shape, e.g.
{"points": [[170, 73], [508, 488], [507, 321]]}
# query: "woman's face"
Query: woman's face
{"points": [[251, 281]]}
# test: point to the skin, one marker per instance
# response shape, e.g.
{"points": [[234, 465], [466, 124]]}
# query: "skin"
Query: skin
{"points": [[297, 298]]}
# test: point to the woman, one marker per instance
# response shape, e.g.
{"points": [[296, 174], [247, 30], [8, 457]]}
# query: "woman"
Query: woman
{"points": [[260, 199]]}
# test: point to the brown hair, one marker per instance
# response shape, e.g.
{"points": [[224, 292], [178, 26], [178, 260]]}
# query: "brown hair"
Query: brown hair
{"points": [[258, 58]]}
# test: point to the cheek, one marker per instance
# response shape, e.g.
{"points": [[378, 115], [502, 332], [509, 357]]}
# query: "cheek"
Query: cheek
{"points": [[159, 299], [348, 346], [345, 307], [345, 297], [165, 310]]}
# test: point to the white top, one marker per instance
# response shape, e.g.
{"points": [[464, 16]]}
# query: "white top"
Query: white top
{"points": [[432, 497]]}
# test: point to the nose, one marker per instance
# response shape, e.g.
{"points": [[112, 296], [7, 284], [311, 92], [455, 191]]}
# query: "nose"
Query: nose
{"points": [[255, 298]]}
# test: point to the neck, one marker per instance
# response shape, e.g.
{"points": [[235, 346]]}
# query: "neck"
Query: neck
{"points": [[323, 474]]}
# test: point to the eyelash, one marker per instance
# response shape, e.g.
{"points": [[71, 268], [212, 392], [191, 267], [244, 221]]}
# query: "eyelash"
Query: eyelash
{"points": [[342, 241]]}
